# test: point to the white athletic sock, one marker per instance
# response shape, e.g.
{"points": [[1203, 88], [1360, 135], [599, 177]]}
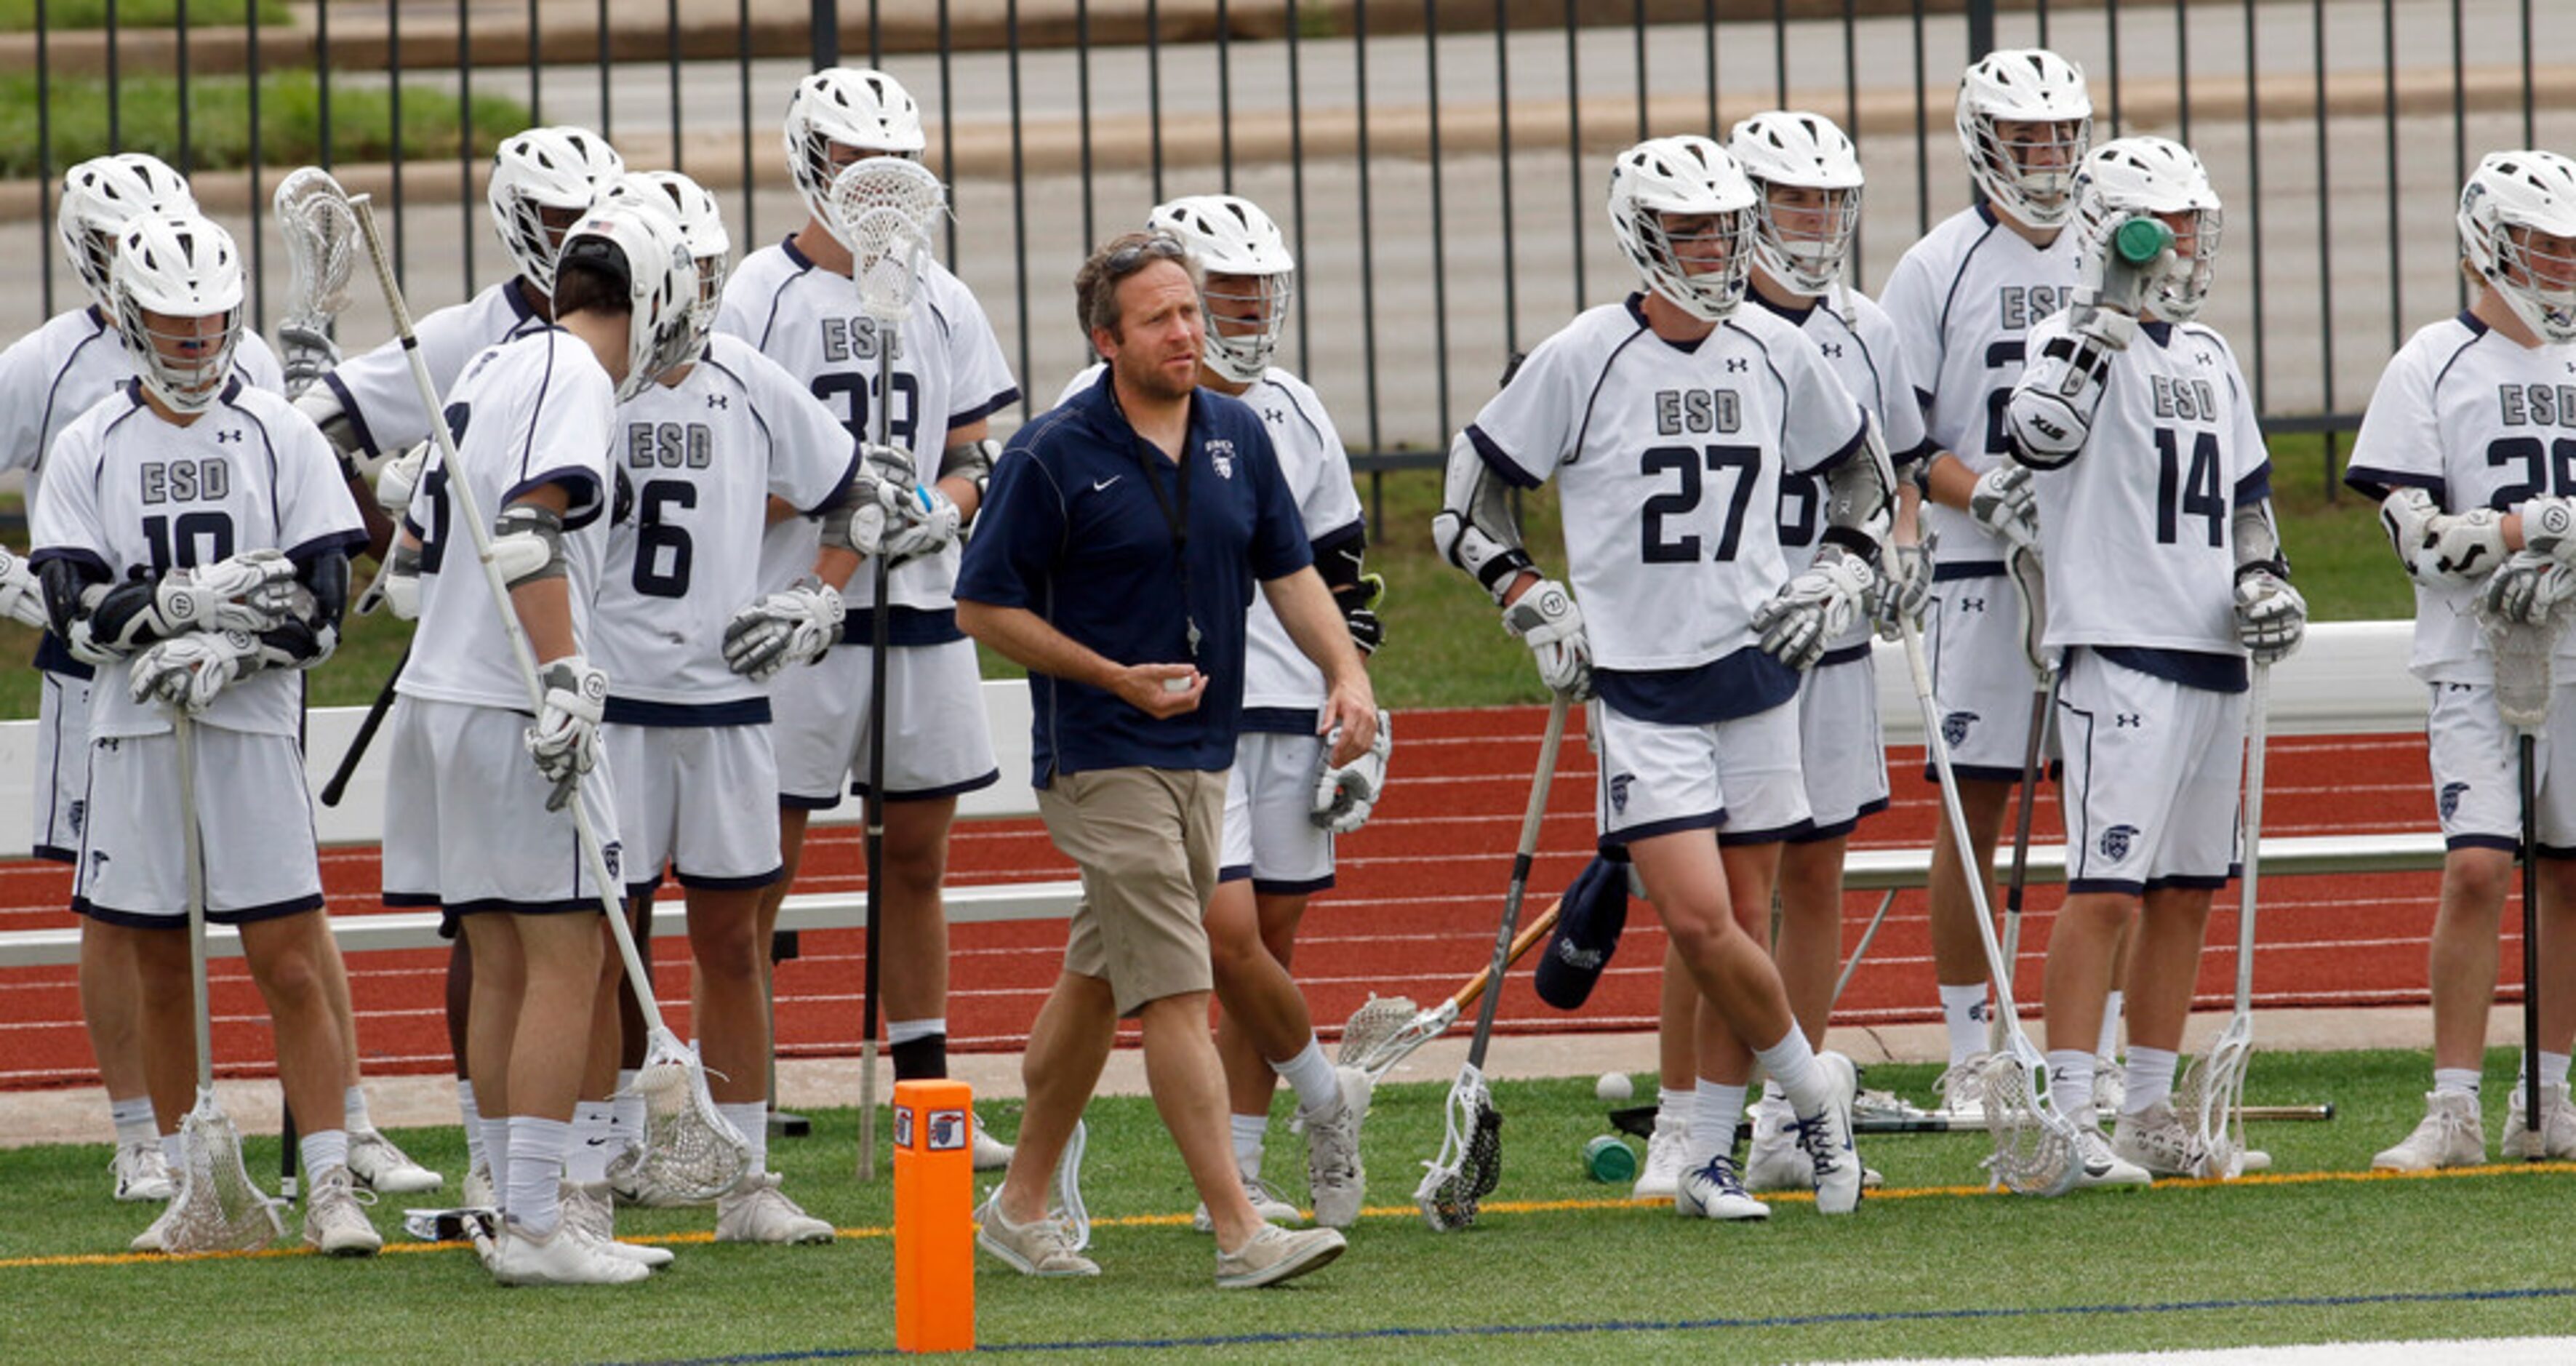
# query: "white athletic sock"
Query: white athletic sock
{"points": [[474, 1153], [1319, 1089], [323, 1151], [2148, 1078], [353, 1111], [752, 1117], [1963, 1009], [536, 1146], [1772, 1096], [1715, 1108], [1249, 1133], [626, 1112], [586, 1161], [134, 1123], [2109, 1047], [173, 1152], [905, 1031], [1792, 1063], [2553, 1069], [2070, 1082], [2456, 1080], [1673, 1105], [496, 1156]]}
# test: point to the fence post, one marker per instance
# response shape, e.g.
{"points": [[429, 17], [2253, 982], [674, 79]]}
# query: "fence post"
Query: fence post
{"points": [[1981, 28], [826, 39]]}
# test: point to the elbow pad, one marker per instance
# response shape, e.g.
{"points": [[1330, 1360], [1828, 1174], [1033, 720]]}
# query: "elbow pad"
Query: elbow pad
{"points": [[321, 404], [2051, 411], [2258, 542], [1860, 496], [527, 544], [400, 582], [971, 461], [306, 640], [2442, 548], [1475, 529]]}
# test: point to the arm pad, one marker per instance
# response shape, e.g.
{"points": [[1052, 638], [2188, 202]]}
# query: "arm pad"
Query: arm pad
{"points": [[320, 403], [2442, 548], [527, 544], [1860, 495], [971, 461], [1475, 529], [302, 642], [2051, 410], [2258, 543]]}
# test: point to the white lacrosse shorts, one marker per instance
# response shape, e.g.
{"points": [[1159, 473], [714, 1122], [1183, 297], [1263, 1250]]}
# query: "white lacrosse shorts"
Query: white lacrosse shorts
{"points": [[1739, 778], [62, 764], [1841, 746], [1981, 680], [2477, 771], [1270, 833], [938, 743], [254, 822], [2153, 771], [466, 824], [700, 799]]}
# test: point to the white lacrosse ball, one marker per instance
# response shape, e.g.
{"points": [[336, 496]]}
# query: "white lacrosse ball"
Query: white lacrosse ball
{"points": [[1614, 1087], [1176, 685]]}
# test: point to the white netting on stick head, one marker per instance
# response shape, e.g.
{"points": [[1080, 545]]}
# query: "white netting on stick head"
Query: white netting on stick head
{"points": [[2034, 1145], [2212, 1092], [2522, 670], [1470, 1163], [690, 1149], [218, 1208], [883, 209], [321, 236], [1372, 1025]]}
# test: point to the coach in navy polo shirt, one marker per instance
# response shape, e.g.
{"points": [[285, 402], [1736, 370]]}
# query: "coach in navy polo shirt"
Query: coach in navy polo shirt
{"points": [[1115, 555]]}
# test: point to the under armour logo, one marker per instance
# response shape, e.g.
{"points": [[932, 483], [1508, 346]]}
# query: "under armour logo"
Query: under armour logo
{"points": [[1972, 604], [719, 400], [1619, 790], [2125, 720], [2115, 841], [2203, 358], [228, 436], [1833, 349], [1274, 417], [2449, 801], [1737, 364]]}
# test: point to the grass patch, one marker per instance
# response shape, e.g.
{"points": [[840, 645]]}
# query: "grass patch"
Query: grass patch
{"points": [[1958, 1273], [290, 121], [19, 16]]}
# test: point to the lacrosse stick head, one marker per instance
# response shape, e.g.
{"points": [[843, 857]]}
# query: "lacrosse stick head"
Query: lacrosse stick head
{"points": [[1068, 1188], [2035, 1150], [321, 236], [882, 208], [1372, 1025], [2212, 1092], [218, 1208], [1470, 1164], [2522, 679], [690, 1149]]}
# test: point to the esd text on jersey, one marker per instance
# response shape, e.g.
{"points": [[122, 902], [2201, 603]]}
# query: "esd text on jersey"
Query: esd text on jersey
{"points": [[2536, 405], [1697, 411], [186, 481]]}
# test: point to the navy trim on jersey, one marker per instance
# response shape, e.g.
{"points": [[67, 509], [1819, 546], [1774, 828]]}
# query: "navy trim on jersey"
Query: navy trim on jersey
{"points": [[53, 392], [985, 409], [1993, 773], [2255, 486], [727, 884], [1951, 571], [349, 410], [1303, 886], [2098, 886], [54, 853], [1778, 834], [2377, 484], [81, 555], [1744, 683], [1584, 428], [2555, 851], [840, 488], [1234, 872], [2196, 669], [2505, 843], [55, 657], [1849, 654], [514, 292], [2161, 333], [580, 486], [503, 906], [1314, 428], [1279, 721], [978, 783], [1959, 277], [341, 541], [907, 626], [178, 920], [1794, 315], [2195, 882], [1636, 303], [1706, 820], [636, 711], [1500, 461], [1812, 833]]}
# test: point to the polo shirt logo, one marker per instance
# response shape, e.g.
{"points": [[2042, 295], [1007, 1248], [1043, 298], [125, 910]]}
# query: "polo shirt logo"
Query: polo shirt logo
{"points": [[1221, 454]]}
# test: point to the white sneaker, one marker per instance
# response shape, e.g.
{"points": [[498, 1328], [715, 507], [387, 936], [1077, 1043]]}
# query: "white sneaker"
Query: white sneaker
{"points": [[1712, 1191], [991, 1154], [2556, 1140], [1960, 1093], [333, 1221], [149, 1240], [141, 1172], [377, 1165], [2156, 1138], [479, 1192], [1275, 1254], [2110, 1085], [2451, 1134], [564, 1256], [1334, 1176], [2100, 1166], [1041, 1247], [587, 1206], [1267, 1201], [1826, 1138], [1774, 1162], [1667, 1152], [757, 1212]]}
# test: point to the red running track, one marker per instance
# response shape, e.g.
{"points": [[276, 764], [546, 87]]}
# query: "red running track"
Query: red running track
{"points": [[1420, 893]]}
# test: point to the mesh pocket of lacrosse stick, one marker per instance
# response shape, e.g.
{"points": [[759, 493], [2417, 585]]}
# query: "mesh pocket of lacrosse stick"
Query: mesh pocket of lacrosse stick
{"points": [[1371, 1026], [2212, 1093], [690, 1149], [321, 237], [1470, 1164], [882, 209], [218, 1208], [2034, 1145]]}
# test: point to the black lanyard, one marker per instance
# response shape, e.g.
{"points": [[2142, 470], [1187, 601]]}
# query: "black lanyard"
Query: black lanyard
{"points": [[1175, 520]]}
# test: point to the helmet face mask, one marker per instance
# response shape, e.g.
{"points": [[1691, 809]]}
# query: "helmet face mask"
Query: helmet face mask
{"points": [[702, 228], [2153, 177], [1808, 177], [2025, 120], [2517, 226], [543, 181], [1684, 213], [99, 197], [175, 292], [842, 115], [645, 250], [1248, 278]]}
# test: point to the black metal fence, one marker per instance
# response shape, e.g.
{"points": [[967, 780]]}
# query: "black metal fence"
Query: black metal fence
{"points": [[1437, 163]]}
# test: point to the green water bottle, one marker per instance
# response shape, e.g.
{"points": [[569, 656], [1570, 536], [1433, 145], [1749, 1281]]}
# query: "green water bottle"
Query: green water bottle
{"points": [[2140, 241], [1609, 1160]]}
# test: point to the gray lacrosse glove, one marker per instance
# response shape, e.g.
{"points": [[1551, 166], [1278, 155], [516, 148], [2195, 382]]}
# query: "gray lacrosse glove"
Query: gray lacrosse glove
{"points": [[1904, 588], [2528, 590], [565, 739], [882, 496], [2004, 504], [22, 597], [2549, 527], [1345, 795], [306, 354], [189, 671], [928, 525], [251, 591], [796, 625], [1548, 622], [1810, 611], [2271, 617]]}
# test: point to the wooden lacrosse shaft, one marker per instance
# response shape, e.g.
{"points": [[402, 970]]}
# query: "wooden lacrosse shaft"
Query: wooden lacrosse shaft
{"points": [[1522, 943], [1522, 857]]}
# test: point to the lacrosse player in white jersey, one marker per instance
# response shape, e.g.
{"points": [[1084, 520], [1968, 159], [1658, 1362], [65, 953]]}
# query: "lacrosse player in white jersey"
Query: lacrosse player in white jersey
{"points": [[700, 453], [476, 828], [1963, 300], [2155, 517], [193, 540], [796, 303], [2470, 441], [1671, 419], [1283, 803], [1808, 175]]}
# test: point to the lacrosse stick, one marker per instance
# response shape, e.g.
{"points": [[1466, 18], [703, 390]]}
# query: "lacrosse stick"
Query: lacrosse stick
{"points": [[2031, 580], [690, 1148], [338, 787], [1471, 1155], [217, 1208], [1388, 1029], [2522, 684], [1861, 950], [881, 209], [2035, 1150], [321, 236], [1068, 1187], [1893, 1116], [2214, 1088]]}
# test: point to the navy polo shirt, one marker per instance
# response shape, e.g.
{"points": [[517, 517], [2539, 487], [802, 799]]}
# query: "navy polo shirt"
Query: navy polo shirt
{"points": [[1070, 530]]}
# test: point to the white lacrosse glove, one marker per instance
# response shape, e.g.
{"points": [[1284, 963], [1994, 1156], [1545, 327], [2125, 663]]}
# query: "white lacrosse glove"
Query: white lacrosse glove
{"points": [[22, 596], [189, 671], [251, 591], [796, 625], [401, 475], [880, 490], [930, 522], [2004, 504], [1904, 588], [1344, 796], [306, 354], [2271, 617], [1810, 611], [565, 739], [1548, 622], [2549, 527], [2528, 590]]}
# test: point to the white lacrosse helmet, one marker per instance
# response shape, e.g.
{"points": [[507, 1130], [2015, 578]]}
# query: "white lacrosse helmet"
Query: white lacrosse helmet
{"points": [[645, 248], [563, 169], [701, 223], [1230, 235], [2509, 197], [1684, 176], [177, 268], [2128, 177], [1789, 148], [867, 111], [2025, 85], [99, 196]]}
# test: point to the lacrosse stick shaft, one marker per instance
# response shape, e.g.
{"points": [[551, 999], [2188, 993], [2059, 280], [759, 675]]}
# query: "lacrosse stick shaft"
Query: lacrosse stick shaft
{"points": [[878, 640], [2526, 743], [1531, 820], [1949, 784], [183, 732], [338, 787], [2043, 706], [1530, 937], [1861, 950], [2257, 730]]}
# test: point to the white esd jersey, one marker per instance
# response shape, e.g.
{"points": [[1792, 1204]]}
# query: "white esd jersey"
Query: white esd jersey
{"points": [[1963, 300], [135, 496], [376, 390], [1318, 472], [2476, 419], [59, 371], [1671, 461], [2137, 531], [948, 372], [700, 461], [532, 411]]}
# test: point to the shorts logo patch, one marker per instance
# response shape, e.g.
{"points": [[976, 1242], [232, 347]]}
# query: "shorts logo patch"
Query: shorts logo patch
{"points": [[97, 862], [1954, 727], [1619, 791], [2115, 842], [2449, 801], [78, 815]]}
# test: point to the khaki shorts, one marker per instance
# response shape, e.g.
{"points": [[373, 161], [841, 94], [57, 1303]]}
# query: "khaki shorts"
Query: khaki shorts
{"points": [[1146, 840]]}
